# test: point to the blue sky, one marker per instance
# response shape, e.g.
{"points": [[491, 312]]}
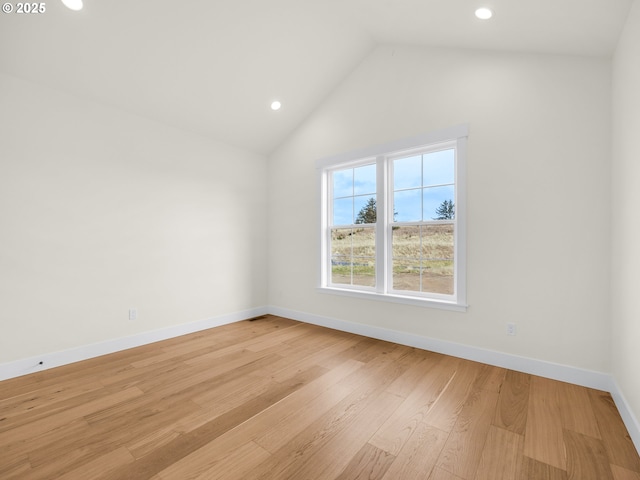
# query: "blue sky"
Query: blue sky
{"points": [[421, 183]]}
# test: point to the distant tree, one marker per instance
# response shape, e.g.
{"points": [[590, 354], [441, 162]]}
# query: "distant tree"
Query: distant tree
{"points": [[446, 211], [367, 214]]}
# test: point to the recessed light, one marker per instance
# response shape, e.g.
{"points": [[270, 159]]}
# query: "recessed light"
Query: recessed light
{"points": [[484, 13], [73, 4], [275, 105]]}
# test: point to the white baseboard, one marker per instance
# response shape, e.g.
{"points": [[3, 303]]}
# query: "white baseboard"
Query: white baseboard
{"points": [[26, 366], [629, 419]]}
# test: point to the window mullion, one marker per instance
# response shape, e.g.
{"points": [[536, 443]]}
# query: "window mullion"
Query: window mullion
{"points": [[326, 206], [381, 225]]}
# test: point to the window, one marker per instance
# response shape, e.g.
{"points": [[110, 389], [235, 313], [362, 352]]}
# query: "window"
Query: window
{"points": [[393, 221]]}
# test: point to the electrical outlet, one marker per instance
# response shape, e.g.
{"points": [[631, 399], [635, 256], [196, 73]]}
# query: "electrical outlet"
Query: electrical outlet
{"points": [[511, 329], [133, 314]]}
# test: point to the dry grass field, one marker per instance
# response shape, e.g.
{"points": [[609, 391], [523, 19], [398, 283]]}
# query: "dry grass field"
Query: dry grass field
{"points": [[422, 257]]}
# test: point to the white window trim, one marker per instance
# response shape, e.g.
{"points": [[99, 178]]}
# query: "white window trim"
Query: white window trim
{"points": [[457, 135]]}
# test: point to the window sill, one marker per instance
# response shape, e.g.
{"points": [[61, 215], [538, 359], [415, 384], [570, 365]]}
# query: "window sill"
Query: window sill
{"points": [[420, 302]]}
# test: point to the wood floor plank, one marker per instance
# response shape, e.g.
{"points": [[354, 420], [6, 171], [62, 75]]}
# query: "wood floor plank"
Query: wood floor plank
{"points": [[234, 466], [218, 450], [617, 441], [160, 436], [279, 339], [371, 349], [132, 377], [296, 413], [370, 463], [419, 455], [345, 444], [370, 381], [44, 398], [292, 360], [444, 412], [393, 434], [65, 417], [544, 437], [42, 443], [531, 469], [219, 366], [489, 378], [325, 336], [52, 408], [233, 391], [72, 451], [200, 465], [440, 474], [576, 410], [204, 379], [161, 357], [463, 450], [406, 383], [513, 404], [254, 345], [16, 468], [586, 458], [326, 356], [363, 350], [100, 467], [620, 473], [501, 455]]}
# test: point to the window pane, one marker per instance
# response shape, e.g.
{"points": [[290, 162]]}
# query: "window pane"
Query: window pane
{"points": [[406, 275], [343, 183], [343, 211], [364, 242], [439, 168], [364, 271], [439, 203], [364, 180], [437, 264], [340, 271], [407, 206], [406, 242], [365, 209], [437, 242], [341, 244], [437, 276], [407, 172]]}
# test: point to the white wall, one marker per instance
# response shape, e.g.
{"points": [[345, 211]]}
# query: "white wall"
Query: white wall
{"points": [[538, 190], [101, 211], [625, 285]]}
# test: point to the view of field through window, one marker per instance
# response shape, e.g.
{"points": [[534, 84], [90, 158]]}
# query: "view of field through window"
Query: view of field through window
{"points": [[353, 260], [423, 258], [353, 250], [422, 236]]}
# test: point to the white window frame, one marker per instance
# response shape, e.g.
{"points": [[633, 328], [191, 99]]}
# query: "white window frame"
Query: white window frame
{"points": [[383, 156]]}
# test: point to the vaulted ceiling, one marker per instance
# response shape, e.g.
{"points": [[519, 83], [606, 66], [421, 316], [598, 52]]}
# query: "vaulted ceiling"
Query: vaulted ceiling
{"points": [[213, 67]]}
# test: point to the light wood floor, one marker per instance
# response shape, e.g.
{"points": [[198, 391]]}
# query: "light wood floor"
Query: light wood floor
{"points": [[277, 399]]}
